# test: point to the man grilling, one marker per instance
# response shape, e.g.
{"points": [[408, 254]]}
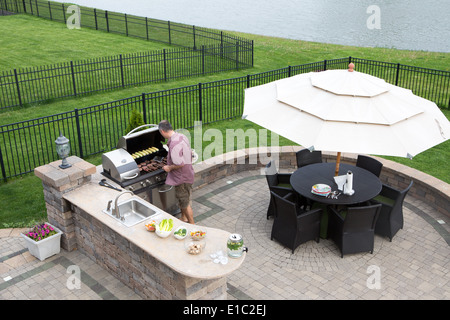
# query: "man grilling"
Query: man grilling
{"points": [[180, 172]]}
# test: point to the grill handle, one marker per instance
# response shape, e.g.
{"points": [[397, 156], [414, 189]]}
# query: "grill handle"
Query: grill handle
{"points": [[165, 190], [140, 127], [132, 177]]}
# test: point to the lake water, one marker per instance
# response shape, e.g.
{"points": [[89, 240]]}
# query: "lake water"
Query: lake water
{"points": [[401, 24]]}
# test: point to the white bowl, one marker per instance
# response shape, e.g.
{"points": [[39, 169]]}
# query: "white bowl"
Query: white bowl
{"points": [[162, 234], [178, 236]]}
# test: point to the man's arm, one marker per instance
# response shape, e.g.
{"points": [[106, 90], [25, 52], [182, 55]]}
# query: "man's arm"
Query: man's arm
{"points": [[172, 167]]}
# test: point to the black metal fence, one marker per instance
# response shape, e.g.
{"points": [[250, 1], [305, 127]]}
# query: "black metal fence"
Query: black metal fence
{"points": [[29, 85], [202, 51], [28, 144]]}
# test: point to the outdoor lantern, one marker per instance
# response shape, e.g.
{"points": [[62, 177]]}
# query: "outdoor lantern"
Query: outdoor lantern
{"points": [[63, 150]]}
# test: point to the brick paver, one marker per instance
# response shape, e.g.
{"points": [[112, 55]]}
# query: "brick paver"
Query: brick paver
{"points": [[415, 265]]}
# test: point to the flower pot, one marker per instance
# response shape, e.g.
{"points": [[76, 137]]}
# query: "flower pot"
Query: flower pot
{"points": [[44, 248]]}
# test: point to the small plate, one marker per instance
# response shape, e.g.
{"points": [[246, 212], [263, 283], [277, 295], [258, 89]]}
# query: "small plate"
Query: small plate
{"points": [[321, 189]]}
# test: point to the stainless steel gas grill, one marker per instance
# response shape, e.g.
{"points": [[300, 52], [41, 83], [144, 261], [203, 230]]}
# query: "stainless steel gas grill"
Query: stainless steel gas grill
{"points": [[136, 165]]}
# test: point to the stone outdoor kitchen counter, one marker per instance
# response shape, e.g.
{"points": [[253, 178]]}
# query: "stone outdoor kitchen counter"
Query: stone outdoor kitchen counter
{"points": [[93, 198], [154, 267]]}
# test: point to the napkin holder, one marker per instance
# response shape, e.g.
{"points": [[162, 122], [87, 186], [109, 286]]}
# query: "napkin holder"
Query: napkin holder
{"points": [[340, 181]]}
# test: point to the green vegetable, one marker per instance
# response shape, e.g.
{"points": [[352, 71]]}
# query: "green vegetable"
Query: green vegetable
{"points": [[181, 232], [166, 225]]}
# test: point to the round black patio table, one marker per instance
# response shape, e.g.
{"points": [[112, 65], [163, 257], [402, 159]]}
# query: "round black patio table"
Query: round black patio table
{"points": [[365, 183]]}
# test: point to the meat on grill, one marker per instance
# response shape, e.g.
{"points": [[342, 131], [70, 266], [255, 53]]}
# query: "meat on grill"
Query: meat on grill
{"points": [[152, 165]]}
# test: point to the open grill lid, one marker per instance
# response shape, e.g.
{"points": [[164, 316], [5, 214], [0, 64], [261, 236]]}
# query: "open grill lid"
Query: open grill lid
{"points": [[137, 140]]}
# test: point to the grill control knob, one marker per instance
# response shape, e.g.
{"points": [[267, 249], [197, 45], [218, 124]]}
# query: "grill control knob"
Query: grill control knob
{"points": [[131, 188], [158, 178], [147, 181], [143, 184]]}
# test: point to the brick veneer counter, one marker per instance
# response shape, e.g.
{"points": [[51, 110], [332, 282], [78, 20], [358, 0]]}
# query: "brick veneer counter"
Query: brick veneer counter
{"points": [[93, 198]]}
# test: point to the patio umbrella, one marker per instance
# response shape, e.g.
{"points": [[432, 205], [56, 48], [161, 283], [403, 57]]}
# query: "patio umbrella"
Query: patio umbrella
{"points": [[347, 111]]}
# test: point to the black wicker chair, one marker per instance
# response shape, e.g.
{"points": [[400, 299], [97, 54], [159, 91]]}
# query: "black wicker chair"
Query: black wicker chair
{"points": [[370, 164], [353, 231], [278, 183], [391, 215], [306, 157], [292, 225]]}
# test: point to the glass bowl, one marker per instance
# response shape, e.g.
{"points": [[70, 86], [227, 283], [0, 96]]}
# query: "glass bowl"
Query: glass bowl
{"points": [[197, 234], [194, 246]]}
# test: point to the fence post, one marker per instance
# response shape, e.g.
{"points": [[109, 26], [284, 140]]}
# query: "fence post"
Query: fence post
{"points": [[146, 27], [324, 65], [37, 8], [193, 32], [95, 18], [17, 86], [2, 165], [24, 6], [144, 108], [126, 25], [221, 44], [107, 21], [200, 103], [165, 65], [203, 59], [64, 12], [80, 143], [170, 37], [248, 81], [289, 71], [121, 70], [398, 72], [50, 10], [73, 78], [237, 55], [253, 53]]}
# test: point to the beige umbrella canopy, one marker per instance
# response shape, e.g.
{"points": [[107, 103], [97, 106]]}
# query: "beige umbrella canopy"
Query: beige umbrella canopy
{"points": [[347, 111]]}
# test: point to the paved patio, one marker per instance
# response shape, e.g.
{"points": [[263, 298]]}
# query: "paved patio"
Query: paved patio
{"points": [[415, 265]]}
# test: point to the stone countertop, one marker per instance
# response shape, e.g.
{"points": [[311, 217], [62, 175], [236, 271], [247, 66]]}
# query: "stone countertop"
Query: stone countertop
{"points": [[93, 198]]}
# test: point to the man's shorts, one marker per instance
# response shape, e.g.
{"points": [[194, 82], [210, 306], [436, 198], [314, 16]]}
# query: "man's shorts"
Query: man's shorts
{"points": [[183, 193]]}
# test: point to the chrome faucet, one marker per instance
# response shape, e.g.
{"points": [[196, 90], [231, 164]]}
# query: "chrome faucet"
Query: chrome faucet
{"points": [[115, 211]]}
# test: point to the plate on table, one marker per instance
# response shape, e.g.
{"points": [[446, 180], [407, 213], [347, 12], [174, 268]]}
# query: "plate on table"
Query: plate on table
{"points": [[321, 189]]}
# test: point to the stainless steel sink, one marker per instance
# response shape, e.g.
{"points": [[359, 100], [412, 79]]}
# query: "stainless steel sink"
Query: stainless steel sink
{"points": [[132, 211]]}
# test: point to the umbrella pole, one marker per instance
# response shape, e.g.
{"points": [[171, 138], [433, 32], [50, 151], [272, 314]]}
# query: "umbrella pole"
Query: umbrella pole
{"points": [[338, 161]]}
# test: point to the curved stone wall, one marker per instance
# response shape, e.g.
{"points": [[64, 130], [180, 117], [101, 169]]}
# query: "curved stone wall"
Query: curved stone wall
{"points": [[427, 188]]}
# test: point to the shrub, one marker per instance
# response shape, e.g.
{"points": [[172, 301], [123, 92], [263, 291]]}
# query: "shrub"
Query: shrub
{"points": [[136, 120]]}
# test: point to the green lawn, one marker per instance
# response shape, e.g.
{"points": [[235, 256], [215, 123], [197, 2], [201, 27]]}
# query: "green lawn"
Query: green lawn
{"points": [[22, 45], [28, 41]]}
